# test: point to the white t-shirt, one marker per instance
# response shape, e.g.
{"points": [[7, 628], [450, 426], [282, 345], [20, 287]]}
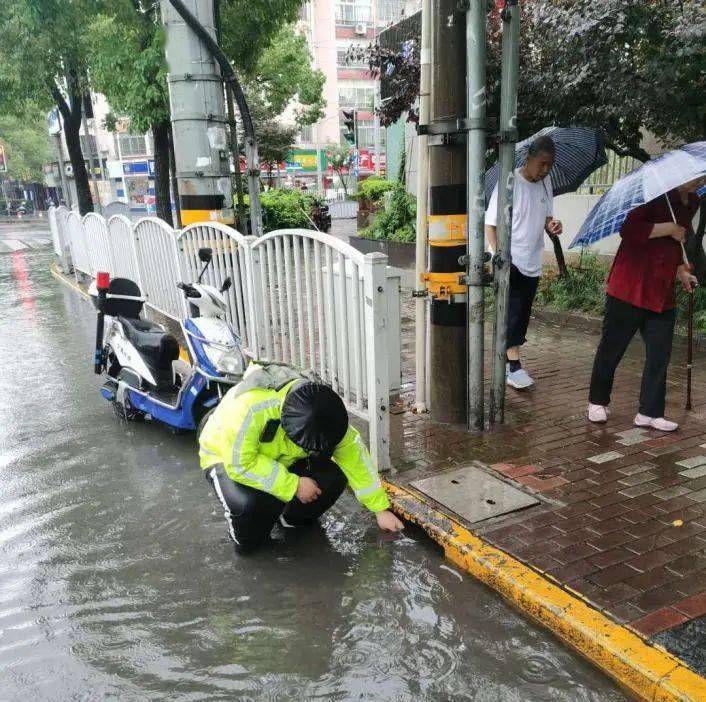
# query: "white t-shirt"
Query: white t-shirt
{"points": [[532, 203]]}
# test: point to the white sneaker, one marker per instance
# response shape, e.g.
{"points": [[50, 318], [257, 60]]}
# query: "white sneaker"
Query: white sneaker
{"points": [[597, 413], [658, 423], [519, 379]]}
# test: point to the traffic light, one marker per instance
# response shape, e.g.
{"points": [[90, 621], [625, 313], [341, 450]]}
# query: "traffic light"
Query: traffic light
{"points": [[349, 119]]}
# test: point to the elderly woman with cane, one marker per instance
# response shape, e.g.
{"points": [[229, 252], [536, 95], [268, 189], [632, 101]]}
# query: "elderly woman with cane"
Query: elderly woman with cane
{"points": [[641, 295]]}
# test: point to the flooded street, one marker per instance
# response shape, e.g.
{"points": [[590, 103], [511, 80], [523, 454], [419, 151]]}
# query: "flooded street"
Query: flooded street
{"points": [[117, 581]]}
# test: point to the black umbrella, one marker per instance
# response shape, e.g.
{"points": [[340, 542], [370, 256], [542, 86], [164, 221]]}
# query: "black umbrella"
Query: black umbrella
{"points": [[579, 152]]}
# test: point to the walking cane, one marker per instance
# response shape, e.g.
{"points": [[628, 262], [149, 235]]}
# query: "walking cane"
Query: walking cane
{"points": [[690, 317]]}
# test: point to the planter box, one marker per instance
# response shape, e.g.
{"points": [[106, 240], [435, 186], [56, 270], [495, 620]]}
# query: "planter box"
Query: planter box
{"points": [[399, 255]]}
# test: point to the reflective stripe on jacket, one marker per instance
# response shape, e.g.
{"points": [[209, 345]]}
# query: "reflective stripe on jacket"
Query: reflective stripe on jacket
{"points": [[232, 437]]}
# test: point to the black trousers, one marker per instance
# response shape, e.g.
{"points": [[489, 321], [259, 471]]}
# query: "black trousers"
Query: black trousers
{"points": [[523, 289], [252, 513], [620, 323]]}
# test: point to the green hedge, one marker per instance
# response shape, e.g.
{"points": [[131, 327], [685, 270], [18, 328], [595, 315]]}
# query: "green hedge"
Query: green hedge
{"points": [[373, 189], [583, 290], [397, 221]]}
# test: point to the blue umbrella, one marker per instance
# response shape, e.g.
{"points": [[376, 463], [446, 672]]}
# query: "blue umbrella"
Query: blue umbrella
{"points": [[647, 182], [579, 152]]}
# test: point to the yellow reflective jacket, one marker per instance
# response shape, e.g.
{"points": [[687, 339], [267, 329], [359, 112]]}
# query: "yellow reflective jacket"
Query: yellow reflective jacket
{"points": [[232, 437]]}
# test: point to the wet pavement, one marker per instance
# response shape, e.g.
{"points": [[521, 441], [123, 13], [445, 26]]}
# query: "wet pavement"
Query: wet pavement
{"points": [[622, 513], [117, 580], [22, 234]]}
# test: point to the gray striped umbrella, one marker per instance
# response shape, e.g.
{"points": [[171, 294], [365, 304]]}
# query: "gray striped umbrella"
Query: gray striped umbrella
{"points": [[579, 152]]}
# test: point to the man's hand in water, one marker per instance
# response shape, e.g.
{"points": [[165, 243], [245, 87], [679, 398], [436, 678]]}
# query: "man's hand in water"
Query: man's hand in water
{"points": [[307, 490], [388, 522]]}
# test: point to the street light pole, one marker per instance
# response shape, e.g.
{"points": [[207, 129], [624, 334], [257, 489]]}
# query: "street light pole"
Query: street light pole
{"points": [[510, 15], [477, 126]]}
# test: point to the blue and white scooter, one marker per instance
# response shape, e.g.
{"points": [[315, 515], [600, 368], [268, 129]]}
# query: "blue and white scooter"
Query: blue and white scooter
{"points": [[144, 376]]}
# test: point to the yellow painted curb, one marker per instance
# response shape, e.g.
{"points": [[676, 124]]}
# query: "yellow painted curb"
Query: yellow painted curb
{"points": [[67, 281], [648, 672]]}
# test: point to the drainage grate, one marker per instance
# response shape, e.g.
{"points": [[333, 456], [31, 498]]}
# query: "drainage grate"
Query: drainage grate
{"points": [[474, 494]]}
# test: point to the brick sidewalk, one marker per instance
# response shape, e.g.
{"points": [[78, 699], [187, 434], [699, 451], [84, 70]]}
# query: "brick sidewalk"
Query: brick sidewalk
{"points": [[623, 513]]}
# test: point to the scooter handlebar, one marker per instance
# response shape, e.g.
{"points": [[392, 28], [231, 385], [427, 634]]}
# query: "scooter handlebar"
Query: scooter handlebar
{"points": [[189, 290]]}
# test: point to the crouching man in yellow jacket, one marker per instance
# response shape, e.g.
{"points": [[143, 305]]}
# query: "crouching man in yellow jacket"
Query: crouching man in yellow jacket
{"points": [[286, 454]]}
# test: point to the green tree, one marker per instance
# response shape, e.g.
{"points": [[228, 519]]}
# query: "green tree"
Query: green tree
{"points": [[340, 160], [128, 66], [284, 74], [616, 65], [43, 61], [26, 144], [248, 27]]}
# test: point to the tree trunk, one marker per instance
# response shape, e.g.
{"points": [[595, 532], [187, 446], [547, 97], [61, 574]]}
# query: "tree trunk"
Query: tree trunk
{"points": [[73, 145], [160, 133]]}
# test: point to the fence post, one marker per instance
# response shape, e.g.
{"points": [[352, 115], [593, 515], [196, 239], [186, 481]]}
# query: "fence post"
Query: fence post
{"points": [[378, 381], [255, 318]]}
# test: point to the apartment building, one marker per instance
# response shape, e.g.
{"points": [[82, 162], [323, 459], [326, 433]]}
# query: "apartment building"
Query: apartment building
{"points": [[331, 28]]}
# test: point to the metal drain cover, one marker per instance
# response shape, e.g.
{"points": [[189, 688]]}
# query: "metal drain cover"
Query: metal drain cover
{"points": [[474, 494]]}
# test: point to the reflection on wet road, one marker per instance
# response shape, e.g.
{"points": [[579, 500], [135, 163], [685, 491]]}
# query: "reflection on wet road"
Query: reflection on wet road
{"points": [[117, 581]]}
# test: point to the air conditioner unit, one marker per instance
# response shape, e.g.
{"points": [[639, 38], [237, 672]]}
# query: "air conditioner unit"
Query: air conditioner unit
{"points": [[361, 28]]}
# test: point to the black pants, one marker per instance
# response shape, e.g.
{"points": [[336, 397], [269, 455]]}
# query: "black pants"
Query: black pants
{"points": [[523, 288], [252, 513], [620, 323]]}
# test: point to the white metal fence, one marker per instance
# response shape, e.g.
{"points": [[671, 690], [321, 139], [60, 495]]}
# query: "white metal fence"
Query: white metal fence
{"points": [[298, 296]]}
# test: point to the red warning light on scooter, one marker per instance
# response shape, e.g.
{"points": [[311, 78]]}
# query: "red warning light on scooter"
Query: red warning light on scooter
{"points": [[103, 280]]}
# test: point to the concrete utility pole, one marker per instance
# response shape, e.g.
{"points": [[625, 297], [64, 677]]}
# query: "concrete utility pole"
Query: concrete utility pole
{"points": [[420, 304], [198, 117], [447, 214], [508, 137], [477, 126]]}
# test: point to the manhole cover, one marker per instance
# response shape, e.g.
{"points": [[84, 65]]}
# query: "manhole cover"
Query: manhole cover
{"points": [[473, 494]]}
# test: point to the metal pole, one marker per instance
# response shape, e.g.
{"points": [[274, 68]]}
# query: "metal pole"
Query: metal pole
{"points": [[476, 107], [448, 220], [506, 181], [89, 149], [420, 303], [60, 156], [122, 170], [376, 128], [235, 153], [198, 115]]}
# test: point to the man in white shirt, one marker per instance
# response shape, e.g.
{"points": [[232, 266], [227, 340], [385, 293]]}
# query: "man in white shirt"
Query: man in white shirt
{"points": [[532, 215]]}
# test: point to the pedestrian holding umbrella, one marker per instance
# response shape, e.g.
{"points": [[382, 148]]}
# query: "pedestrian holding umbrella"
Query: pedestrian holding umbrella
{"points": [[578, 153], [652, 207]]}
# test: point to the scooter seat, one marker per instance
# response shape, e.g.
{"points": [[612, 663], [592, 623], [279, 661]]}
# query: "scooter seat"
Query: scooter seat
{"points": [[155, 345], [146, 336]]}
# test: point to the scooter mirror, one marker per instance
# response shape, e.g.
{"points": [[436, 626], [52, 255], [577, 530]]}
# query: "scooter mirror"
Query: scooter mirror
{"points": [[227, 283], [205, 255]]}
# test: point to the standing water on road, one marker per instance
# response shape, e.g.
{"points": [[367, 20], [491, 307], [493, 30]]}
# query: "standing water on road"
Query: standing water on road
{"points": [[117, 581]]}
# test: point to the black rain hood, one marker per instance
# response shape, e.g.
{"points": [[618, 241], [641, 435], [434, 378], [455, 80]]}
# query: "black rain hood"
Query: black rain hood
{"points": [[314, 417]]}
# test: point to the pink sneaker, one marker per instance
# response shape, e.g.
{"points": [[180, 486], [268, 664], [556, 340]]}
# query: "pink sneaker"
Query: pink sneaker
{"points": [[658, 423], [597, 414]]}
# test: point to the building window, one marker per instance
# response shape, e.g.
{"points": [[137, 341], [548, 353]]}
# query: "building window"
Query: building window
{"points": [[358, 97], [130, 145], [353, 12], [390, 11], [366, 134], [88, 145], [342, 53], [306, 135]]}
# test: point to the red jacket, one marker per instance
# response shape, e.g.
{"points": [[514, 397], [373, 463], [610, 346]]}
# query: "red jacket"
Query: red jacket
{"points": [[644, 269]]}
